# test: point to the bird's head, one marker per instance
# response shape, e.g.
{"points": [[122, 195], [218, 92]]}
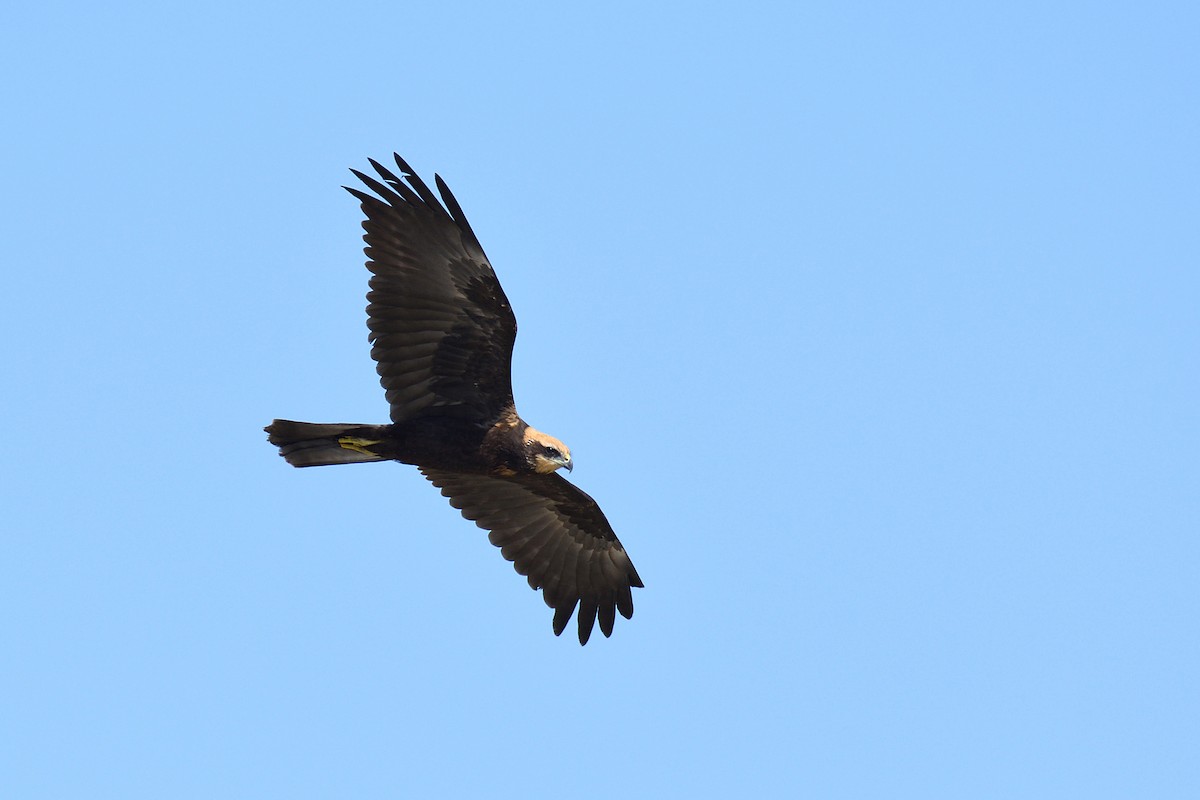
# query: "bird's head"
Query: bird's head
{"points": [[545, 453]]}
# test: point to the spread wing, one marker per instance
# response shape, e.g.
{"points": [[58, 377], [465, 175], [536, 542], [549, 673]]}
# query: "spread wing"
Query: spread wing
{"points": [[441, 328], [556, 536]]}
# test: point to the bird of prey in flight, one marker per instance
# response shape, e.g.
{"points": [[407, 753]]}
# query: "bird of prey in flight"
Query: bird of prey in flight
{"points": [[442, 335]]}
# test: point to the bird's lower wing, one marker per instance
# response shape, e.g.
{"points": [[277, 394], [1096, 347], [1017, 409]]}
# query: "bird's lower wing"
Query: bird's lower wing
{"points": [[556, 536]]}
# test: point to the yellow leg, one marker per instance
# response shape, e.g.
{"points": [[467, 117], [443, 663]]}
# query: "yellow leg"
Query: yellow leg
{"points": [[358, 445]]}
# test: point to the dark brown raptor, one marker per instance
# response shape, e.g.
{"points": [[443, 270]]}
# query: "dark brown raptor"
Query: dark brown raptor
{"points": [[442, 333]]}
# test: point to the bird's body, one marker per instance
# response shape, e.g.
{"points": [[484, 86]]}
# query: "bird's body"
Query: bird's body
{"points": [[442, 333], [435, 442]]}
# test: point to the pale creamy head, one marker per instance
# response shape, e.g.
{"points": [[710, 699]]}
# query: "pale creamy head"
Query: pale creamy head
{"points": [[544, 449]]}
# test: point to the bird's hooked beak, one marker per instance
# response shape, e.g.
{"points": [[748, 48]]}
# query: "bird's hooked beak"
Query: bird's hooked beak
{"points": [[562, 460]]}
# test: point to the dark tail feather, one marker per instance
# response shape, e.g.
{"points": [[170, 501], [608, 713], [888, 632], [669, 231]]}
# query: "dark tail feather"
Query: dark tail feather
{"points": [[308, 444]]}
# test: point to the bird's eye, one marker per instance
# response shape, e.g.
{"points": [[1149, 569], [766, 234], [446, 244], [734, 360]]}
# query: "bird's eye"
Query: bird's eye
{"points": [[553, 453]]}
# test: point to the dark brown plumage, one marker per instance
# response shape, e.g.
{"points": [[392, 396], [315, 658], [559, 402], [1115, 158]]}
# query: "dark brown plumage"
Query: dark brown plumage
{"points": [[442, 333]]}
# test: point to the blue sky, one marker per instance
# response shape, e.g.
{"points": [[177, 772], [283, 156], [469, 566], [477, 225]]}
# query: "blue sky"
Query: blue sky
{"points": [[873, 328]]}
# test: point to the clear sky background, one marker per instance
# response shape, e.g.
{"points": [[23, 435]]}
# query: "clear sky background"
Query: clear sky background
{"points": [[874, 328]]}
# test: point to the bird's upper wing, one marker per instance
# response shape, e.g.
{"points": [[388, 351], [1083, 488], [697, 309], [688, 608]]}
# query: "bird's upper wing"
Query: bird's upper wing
{"points": [[555, 535], [441, 328]]}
